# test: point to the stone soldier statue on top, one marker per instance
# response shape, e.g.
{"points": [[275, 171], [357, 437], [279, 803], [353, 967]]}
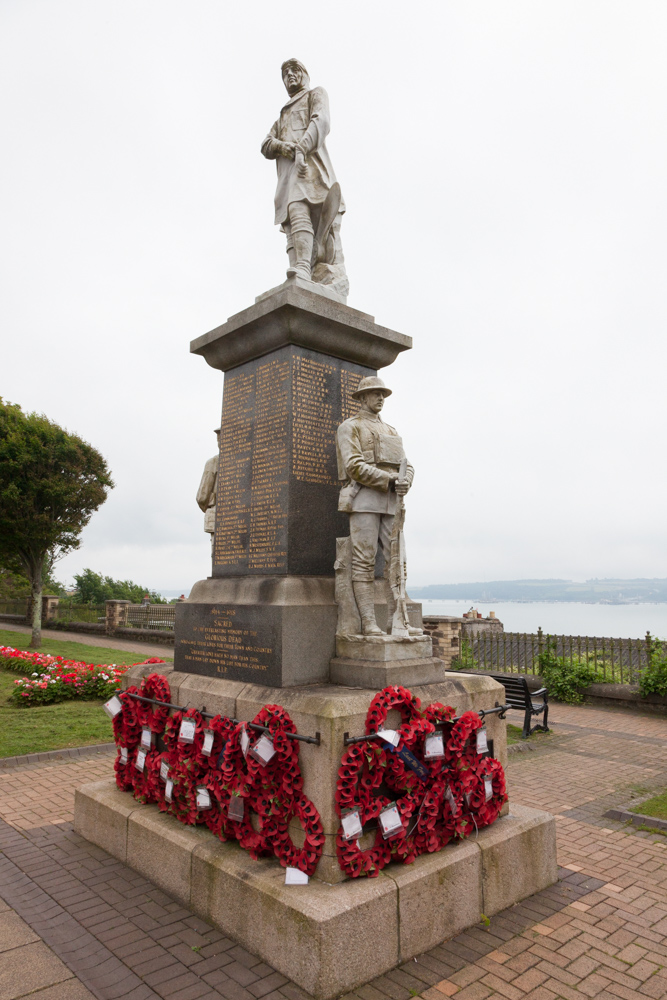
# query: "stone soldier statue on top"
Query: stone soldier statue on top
{"points": [[308, 201], [370, 454]]}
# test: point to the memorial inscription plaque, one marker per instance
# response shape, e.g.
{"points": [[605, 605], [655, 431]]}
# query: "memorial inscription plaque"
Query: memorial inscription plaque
{"points": [[277, 481], [235, 643]]}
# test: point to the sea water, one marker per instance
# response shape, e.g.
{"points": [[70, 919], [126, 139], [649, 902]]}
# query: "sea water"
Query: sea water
{"points": [[616, 621]]}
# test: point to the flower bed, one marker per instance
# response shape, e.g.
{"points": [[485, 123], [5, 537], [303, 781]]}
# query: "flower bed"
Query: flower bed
{"points": [[53, 678]]}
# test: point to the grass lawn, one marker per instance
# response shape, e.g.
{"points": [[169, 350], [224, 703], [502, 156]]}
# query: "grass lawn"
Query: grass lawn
{"points": [[514, 735], [54, 727], [77, 650], [657, 806]]}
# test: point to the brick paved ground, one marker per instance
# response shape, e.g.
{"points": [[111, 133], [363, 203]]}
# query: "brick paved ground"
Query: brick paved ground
{"points": [[83, 924]]}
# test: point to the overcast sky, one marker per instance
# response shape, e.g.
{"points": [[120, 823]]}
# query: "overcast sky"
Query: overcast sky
{"points": [[504, 166]]}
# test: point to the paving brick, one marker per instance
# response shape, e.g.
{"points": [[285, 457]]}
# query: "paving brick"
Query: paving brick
{"points": [[476, 991], [608, 910], [267, 985], [529, 980], [593, 984]]}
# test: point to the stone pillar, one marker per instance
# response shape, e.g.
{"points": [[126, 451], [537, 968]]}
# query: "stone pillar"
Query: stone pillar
{"points": [[445, 631], [115, 615], [49, 607]]}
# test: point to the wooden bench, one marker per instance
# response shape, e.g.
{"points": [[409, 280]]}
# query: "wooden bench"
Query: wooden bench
{"points": [[518, 696]]}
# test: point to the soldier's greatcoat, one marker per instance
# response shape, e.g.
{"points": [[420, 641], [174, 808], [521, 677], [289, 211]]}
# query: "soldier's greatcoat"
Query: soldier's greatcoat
{"points": [[369, 453], [303, 120]]}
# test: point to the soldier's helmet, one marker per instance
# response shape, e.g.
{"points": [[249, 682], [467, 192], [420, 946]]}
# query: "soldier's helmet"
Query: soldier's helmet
{"points": [[371, 382]]}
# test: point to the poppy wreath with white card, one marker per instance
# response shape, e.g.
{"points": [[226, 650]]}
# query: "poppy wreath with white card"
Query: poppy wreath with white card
{"points": [[127, 734], [183, 734], [154, 716], [264, 780], [488, 793], [207, 748], [146, 782], [449, 796]]}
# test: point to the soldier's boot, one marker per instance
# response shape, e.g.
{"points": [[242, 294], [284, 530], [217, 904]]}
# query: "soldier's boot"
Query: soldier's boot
{"points": [[303, 252], [364, 594], [391, 610]]}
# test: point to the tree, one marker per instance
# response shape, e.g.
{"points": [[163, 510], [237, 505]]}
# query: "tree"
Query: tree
{"points": [[51, 482], [95, 588], [16, 586]]}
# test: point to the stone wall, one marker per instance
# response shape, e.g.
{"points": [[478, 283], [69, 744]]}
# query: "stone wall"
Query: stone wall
{"points": [[445, 631]]}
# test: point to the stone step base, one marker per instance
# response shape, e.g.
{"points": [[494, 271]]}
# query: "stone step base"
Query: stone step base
{"points": [[327, 938], [376, 675]]}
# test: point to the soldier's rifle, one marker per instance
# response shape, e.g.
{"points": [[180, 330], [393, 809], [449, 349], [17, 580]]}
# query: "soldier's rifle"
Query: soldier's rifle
{"points": [[397, 568]]}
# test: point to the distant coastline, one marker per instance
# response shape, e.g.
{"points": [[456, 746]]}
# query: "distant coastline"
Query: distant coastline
{"points": [[610, 591]]}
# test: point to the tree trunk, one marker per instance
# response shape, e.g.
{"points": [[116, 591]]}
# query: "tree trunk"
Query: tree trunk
{"points": [[36, 585]]}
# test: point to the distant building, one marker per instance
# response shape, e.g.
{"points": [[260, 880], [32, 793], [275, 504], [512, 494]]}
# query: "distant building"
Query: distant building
{"points": [[474, 623]]}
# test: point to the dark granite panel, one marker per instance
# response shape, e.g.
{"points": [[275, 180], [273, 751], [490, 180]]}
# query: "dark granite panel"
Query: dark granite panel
{"points": [[238, 643], [278, 483]]}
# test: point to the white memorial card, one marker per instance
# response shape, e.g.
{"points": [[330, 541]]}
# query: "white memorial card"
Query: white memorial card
{"points": [[207, 745], [263, 750], [488, 788], [186, 733], [294, 876], [245, 741], [123, 755], [482, 744], [164, 770], [203, 798], [434, 746], [390, 820], [390, 735], [452, 801], [168, 790], [351, 824], [235, 810], [140, 762], [146, 738], [113, 706]]}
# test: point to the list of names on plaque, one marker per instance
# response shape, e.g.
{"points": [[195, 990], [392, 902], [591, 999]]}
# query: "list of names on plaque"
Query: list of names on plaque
{"points": [[313, 421], [348, 383], [232, 509], [268, 497]]}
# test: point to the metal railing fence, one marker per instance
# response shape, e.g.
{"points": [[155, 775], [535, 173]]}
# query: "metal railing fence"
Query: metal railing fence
{"points": [[160, 616], [19, 608], [617, 661], [68, 610]]}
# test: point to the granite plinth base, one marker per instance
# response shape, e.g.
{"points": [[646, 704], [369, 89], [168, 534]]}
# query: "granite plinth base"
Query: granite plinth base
{"points": [[331, 711], [328, 939], [378, 674]]}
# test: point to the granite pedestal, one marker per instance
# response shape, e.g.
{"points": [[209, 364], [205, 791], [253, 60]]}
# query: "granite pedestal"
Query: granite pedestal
{"points": [[291, 362], [303, 931]]}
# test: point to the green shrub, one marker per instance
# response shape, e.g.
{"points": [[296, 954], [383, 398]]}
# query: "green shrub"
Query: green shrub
{"points": [[563, 678], [466, 659], [653, 679]]}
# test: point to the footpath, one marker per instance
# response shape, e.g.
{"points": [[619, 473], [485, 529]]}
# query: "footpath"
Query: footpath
{"points": [[77, 924]]}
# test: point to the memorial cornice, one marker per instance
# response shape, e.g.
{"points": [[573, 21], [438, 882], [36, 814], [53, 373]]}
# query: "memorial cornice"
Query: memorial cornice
{"points": [[294, 314]]}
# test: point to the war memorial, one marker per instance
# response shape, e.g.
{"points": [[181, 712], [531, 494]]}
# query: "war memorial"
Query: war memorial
{"points": [[340, 791]]}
